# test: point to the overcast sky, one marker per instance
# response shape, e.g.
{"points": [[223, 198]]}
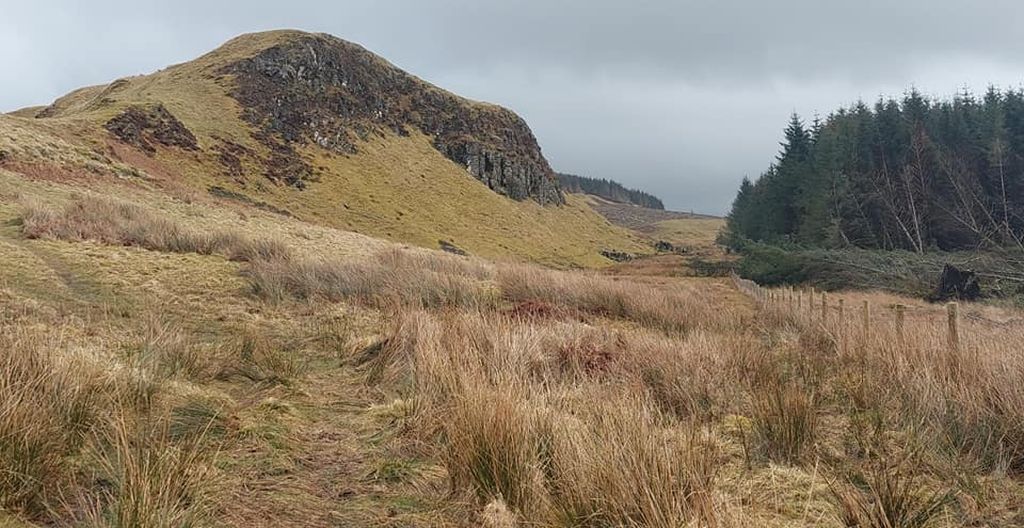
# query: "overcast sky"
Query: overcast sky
{"points": [[680, 98]]}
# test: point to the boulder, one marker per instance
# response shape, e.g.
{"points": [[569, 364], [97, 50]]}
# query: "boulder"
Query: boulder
{"points": [[663, 246]]}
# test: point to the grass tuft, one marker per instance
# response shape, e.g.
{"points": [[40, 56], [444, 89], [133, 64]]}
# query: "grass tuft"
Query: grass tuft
{"points": [[888, 497]]}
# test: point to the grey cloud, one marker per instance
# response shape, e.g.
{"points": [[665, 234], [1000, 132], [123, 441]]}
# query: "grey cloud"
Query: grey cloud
{"points": [[681, 98]]}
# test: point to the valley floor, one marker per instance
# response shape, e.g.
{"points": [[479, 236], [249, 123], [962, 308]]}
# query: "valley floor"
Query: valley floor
{"points": [[183, 363]]}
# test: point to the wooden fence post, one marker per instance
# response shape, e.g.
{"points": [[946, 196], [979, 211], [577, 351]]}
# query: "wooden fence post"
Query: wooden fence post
{"points": [[953, 322], [824, 308], [900, 310], [841, 324], [867, 320]]}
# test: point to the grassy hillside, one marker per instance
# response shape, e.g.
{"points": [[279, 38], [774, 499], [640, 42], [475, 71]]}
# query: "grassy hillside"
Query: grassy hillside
{"points": [[395, 186]]}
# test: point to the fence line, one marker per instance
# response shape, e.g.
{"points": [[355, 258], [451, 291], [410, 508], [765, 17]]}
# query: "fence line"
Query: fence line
{"points": [[831, 313]]}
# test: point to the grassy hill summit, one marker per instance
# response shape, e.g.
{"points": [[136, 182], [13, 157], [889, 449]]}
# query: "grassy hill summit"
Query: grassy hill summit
{"points": [[311, 126]]}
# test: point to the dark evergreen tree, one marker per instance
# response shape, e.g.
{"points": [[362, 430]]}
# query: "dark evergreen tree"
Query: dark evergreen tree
{"points": [[908, 173]]}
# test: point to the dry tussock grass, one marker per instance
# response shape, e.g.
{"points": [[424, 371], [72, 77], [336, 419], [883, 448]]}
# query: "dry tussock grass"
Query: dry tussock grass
{"points": [[87, 438], [149, 480], [377, 282], [526, 405], [47, 410], [575, 399], [110, 221], [674, 308], [888, 495], [505, 395]]}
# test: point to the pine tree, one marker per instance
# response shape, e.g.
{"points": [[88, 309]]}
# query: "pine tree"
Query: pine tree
{"points": [[908, 174]]}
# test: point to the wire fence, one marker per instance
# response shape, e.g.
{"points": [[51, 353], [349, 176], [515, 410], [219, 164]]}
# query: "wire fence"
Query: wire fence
{"points": [[862, 320]]}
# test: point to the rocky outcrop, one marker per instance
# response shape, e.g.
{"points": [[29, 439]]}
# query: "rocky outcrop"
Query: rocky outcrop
{"points": [[323, 90], [147, 127], [615, 255]]}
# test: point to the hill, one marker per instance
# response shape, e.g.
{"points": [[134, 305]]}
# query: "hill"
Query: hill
{"points": [[318, 128], [609, 190]]}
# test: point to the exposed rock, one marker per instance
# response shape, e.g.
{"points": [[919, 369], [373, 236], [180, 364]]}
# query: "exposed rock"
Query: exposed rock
{"points": [[284, 164], [664, 246], [146, 127], [451, 248], [317, 89], [957, 284], [617, 256], [230, 155]]}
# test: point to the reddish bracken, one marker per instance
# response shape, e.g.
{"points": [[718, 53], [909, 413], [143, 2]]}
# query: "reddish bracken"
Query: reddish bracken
{"points": [[534, 309], [589, 358]]}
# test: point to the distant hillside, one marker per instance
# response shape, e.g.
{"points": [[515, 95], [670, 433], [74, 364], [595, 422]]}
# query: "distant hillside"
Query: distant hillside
{"points": [[609, 190]]}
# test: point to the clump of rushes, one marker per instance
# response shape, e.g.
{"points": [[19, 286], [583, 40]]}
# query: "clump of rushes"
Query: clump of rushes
{"points": [[785, 421], [47, 410], [887, 496]]}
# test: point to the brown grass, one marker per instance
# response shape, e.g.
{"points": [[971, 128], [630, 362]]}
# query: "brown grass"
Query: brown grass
{"points": [[259, 358], [150, 481], [543, 398], [48, 408], [122, 223], [78, 441], [549, 385], [888, 497], [675, 308], [501, 392], [389, 279], [785, 422]]}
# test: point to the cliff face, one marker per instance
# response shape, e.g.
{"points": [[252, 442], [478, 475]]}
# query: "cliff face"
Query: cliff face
{"points": [[323, 90]]}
